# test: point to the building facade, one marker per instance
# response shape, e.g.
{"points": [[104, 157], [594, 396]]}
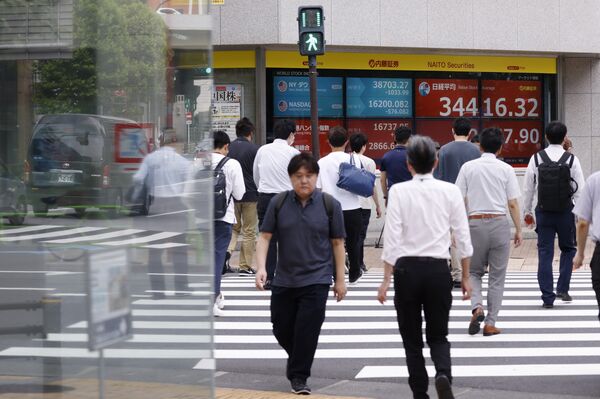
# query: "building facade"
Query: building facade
{"points": [[516, 64]]}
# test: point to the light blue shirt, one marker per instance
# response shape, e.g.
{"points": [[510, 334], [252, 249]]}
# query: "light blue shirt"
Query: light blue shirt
{"points": [[588, 205]]}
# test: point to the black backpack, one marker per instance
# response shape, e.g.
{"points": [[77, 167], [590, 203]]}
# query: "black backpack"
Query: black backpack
{"points": [[221, 201], [554, 182]]}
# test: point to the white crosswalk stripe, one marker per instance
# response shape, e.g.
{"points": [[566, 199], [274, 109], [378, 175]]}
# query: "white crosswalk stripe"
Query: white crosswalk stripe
{"points": [[100, 236], [534, 341]]}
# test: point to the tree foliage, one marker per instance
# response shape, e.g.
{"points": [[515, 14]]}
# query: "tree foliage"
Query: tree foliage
{"points": [[117, 64]]}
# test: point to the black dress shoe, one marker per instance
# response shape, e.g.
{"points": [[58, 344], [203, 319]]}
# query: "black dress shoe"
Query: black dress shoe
{"points": [[548, 305], [443, 387], [564, 296]]}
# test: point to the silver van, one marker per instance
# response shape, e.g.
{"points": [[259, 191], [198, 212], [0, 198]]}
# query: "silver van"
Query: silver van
{"points": [[84, 161]]}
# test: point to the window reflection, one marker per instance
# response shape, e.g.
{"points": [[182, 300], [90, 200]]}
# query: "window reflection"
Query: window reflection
{"points": [[85, 99]]}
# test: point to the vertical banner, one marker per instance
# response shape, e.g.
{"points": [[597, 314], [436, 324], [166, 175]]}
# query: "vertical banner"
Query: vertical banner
{"points": [[226, 107]]}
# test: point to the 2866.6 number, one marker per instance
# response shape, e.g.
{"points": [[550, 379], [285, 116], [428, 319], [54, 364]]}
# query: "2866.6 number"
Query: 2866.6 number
{"points": [[380, 146]]}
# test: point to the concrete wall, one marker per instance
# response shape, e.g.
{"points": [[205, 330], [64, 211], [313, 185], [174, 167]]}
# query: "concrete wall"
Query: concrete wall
{"points": [[581, 82], [555, 26]]}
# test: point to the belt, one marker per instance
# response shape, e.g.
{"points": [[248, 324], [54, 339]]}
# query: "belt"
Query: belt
{"points": [[486, 216]]}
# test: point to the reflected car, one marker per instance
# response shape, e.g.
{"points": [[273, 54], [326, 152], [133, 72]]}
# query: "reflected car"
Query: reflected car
{"points": [[84, 161], [13, 198], [168, 11]]}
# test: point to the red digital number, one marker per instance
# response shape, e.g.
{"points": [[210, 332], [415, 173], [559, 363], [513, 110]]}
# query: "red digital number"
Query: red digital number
{"points": [[521, 139], [380, 133], [449, 98], [511, 99]]}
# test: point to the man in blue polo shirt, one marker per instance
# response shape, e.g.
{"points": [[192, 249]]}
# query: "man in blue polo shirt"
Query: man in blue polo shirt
{"points": [[310, 228], [394, 168]]}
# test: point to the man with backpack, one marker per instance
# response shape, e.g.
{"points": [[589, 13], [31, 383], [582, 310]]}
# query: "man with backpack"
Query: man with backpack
{"points": [[244, 151], [557, 177], [228, 183], [310, 226]]}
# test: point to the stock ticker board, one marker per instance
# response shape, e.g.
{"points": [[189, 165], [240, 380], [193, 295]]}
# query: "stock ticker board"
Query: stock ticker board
{"points": [[377, 106]]}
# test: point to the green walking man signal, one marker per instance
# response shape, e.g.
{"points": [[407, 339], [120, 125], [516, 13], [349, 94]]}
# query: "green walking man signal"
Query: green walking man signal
{"points": [[311, 30]]}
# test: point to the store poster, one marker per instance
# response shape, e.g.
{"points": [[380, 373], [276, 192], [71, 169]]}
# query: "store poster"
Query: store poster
{"points": [[226, 108]]}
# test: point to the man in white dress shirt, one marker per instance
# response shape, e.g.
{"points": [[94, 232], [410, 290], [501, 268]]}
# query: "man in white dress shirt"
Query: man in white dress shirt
{"points": [[588, 213], [234, 187], [489, 187], [327, 181], [165, 172], [552, 223], [421, 213], [271, 178]]}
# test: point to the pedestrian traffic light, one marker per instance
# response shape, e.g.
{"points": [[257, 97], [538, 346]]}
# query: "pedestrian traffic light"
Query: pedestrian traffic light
{"points": [[311, 30]]}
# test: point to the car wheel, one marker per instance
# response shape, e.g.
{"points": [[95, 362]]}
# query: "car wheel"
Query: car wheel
{"points": [[114, 211], [21, 210], [40, 210]]}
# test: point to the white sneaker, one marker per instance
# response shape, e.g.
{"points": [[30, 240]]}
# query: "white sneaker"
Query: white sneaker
{"points": [[220, 301], [218, 312]]}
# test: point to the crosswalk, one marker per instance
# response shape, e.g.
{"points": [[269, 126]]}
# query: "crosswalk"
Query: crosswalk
{"points": [[67, 236], [537, 342]]}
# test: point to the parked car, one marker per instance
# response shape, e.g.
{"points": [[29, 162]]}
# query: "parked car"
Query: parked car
{"points": [[84, 161], [13, 200]]}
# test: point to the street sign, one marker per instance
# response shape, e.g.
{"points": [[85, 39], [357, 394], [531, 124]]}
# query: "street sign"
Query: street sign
{"points": [[311, 30]]}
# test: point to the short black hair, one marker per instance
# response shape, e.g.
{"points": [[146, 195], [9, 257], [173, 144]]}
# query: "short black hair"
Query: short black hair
{"points": [[461, 126], [358, 141], [303, 160], [283, 128], [221, 139], [491, 139], [337, 136], [402, 134], [556, 132], [421, 154], [244, 128], [475, 139]]}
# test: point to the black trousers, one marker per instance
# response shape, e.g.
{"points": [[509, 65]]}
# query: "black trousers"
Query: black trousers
{"points": [[423, 284], [261, 209], [595, 267], [353, 225], [366, 217], [297, 315]]}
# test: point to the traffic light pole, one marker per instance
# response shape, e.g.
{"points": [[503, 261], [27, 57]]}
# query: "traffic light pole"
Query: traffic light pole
{"points": [[314, 110]]}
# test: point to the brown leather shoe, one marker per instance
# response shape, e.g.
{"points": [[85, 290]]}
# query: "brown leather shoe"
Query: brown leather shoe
{"points": [[490, 330], [476, 319]]}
